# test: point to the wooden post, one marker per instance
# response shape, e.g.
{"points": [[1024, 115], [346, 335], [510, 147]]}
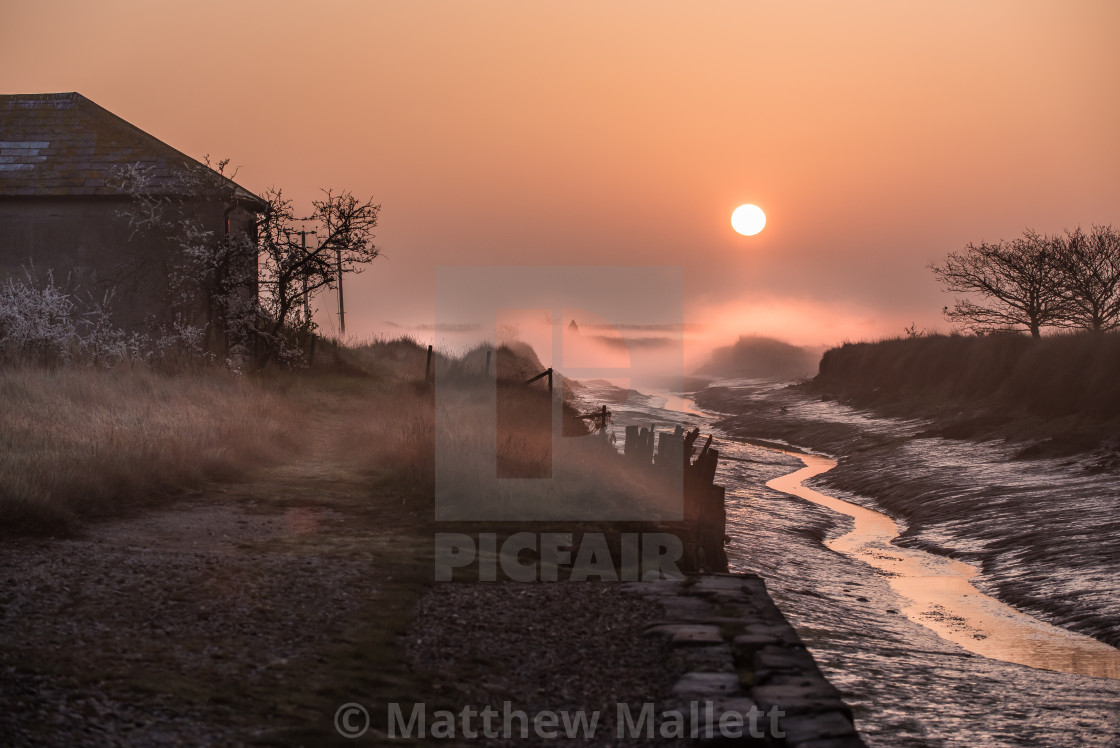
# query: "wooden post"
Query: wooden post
{"points": [[687, 447], [707, 444], [670, 451], [631, 448], [428, 367], [708, 467], [545, 373], [303, 257]]}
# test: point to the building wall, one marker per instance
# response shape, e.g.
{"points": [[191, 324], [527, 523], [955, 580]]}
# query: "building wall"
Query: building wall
{"points": [[88, 246]]}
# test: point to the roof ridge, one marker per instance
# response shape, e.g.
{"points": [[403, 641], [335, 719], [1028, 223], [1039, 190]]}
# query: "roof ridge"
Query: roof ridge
{"points": [[82, 101], [25, 159], [39, 95]]}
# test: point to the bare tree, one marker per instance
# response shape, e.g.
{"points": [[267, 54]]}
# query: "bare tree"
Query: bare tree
{"points": [[1015, 282], [253, 294], [1089, 276], [292, 272]]}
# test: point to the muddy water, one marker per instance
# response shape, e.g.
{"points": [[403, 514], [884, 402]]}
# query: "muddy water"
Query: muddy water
{"points": [[907, 685], [940, 596]]}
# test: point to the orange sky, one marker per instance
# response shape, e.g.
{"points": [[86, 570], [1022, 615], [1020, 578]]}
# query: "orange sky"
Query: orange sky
{"points": [[877, 136]]}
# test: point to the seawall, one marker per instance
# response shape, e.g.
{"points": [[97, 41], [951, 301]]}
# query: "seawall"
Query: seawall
{"points": [[736, 653]]}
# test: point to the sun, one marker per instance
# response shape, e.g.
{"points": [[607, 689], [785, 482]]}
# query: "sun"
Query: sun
{"points": [[748, 220]]}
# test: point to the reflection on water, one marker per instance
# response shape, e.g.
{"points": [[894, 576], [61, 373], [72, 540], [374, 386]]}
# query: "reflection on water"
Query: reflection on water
{"points": [[678, 404], [943, 599], [907, 685]]}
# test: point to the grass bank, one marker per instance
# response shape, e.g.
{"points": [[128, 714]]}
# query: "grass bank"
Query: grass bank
{"points": [[87, 443], [1062, 390], [81, 444]]}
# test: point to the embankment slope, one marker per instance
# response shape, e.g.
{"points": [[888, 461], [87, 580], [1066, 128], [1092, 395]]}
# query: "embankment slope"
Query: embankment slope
{"points": [[1061, 392]]}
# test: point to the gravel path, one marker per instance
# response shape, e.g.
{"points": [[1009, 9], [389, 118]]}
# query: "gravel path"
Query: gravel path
{"points": [[204, 625], [159, 631], [555, 647]]}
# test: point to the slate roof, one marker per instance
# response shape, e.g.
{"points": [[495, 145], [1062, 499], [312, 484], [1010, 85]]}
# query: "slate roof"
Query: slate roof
{"points": [[54, 145]]}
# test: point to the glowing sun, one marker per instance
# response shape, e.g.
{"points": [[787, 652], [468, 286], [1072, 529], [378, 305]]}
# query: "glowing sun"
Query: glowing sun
{"points": [[748, 220]]}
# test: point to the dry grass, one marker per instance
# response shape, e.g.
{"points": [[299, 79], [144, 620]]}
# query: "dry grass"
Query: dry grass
{"points": [[412, 437], [465, 433], [1062, 388], [78, 443], [1060, 375]]}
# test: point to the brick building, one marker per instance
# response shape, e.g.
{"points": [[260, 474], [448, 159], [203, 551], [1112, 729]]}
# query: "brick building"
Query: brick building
{"points": [[61, 197]]}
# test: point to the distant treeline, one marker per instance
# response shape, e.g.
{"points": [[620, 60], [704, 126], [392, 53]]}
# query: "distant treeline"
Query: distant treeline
{"points": [[1071, 376]]}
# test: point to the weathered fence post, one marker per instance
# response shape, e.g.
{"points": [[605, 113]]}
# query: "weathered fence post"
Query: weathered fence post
{"points": [[546, 373], [689, 440], [428, 373]]}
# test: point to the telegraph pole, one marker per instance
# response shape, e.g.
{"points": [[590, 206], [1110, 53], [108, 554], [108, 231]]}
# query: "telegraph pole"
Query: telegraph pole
{"points": [[303, 258], [341, 308]]}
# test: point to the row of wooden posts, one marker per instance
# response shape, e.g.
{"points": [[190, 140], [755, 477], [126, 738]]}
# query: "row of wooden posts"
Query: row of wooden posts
{"points": [[705, 517]]}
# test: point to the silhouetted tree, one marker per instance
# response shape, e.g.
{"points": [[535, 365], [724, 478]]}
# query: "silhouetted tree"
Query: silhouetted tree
{"points": [[292, 270], [1089, 276], [260, 295], [1017, 282]]}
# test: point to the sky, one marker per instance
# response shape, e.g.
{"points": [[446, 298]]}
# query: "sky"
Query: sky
{"points": [[876, 136]]}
